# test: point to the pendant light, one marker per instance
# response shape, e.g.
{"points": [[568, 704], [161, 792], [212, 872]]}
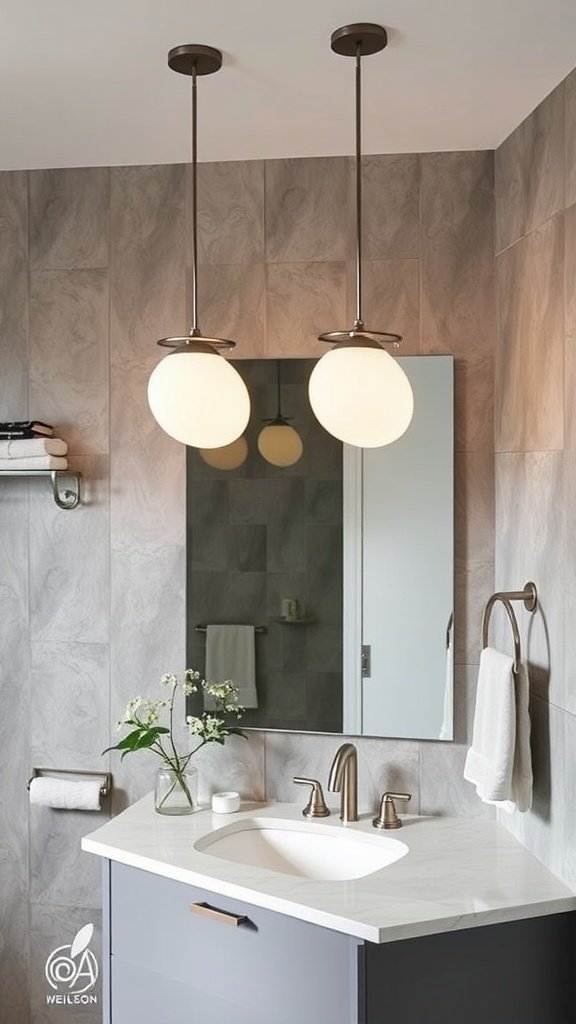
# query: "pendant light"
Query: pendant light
{"points": [[195, 394], [358, 392], [229, 456], [278, 442]]}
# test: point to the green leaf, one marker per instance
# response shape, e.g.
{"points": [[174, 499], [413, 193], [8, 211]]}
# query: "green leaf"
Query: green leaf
{"points": [[233, 731]]}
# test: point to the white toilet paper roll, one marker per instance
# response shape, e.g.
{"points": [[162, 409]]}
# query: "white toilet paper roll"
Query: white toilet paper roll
{"points": [[80, 795]]}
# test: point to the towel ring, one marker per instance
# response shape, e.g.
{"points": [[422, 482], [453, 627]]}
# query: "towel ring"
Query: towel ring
{"points": [[529, 595]]}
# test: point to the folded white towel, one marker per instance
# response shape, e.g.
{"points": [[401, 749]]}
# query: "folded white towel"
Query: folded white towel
{"points": [[28, 447], [37, 462], [81, 795], [499, 761], [230, 654]]}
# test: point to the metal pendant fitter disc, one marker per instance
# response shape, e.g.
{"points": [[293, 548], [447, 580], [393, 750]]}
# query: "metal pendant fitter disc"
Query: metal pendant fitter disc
{"points": [[363, 38], [361, 336], [192, 57]]}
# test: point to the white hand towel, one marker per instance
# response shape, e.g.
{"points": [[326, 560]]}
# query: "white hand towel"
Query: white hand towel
{"points": [[81, 795], [28, 447], [498, 763], [230, 654], [36, 462]]}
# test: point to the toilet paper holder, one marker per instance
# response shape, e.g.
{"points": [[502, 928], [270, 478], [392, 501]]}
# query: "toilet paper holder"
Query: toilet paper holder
{"points": [[79, 773]]}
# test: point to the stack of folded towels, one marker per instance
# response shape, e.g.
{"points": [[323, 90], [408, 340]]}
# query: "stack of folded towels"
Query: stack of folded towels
{"points": [[30, 444]]}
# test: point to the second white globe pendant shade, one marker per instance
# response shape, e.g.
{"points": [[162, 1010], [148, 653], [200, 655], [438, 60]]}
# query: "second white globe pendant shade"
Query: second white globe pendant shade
{"points": [[198, 398], [361, 395]]}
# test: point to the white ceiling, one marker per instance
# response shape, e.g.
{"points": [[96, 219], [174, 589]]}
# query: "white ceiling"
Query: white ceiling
{"points": [[86, 83]]}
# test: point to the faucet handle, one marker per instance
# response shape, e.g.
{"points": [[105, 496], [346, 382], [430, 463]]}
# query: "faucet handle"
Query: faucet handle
{"points": [[316, 806], [387, 818]]}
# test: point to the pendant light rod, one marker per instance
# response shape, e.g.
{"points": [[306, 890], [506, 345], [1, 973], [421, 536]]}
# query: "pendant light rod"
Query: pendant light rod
{"points": [[358, 321], [358, 41], [194, 330], [193, 60], [278, 390]]}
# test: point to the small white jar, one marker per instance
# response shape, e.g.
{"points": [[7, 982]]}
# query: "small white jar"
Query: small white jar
{"points": [[225, 803]]}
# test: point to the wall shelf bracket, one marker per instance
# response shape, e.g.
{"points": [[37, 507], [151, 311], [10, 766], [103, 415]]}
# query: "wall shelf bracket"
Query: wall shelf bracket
{"points": [[66, 489]]}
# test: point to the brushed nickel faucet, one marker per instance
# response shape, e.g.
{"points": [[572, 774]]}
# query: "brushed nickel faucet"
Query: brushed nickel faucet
{"points": [[387, 818], [343, 778], [315, 808]]}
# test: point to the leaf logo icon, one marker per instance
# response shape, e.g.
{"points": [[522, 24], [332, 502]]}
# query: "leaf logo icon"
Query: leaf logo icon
{"points": [[81, 940]]}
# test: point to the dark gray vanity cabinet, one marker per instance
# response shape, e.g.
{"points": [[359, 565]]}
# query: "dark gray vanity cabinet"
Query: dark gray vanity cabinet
{"points": [[168, 965]]}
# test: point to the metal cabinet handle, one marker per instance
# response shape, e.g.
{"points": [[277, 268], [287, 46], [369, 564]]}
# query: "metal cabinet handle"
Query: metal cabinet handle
{"points": [[224, 916]]}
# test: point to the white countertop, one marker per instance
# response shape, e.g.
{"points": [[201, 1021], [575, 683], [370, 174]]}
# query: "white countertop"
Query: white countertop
{"points": [[458, 873]]}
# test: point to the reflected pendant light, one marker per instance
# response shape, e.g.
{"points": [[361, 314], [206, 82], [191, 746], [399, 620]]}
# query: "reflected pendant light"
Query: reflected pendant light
{"points": [[229, 456], [195, 394], [278, 442], [358, 392]]}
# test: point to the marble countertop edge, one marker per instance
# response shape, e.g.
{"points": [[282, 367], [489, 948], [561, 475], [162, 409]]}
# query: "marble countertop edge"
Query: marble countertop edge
{"points": [[487, 877]]}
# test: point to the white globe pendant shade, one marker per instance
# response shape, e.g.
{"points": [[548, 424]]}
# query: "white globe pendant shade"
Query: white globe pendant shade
{"points": [[361, 395], [198, 398], [280, 444]]}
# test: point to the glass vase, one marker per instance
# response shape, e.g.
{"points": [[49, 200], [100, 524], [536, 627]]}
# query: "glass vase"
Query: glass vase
{"points": [[176, 792]]}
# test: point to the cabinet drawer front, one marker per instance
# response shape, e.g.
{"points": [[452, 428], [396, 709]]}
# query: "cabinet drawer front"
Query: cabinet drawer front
{"points": [[269, 964]]}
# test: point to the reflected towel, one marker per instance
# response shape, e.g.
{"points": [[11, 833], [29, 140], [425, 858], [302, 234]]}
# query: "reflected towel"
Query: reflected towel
{"points": [[36, 462], [499, 761], [28, 447], [447, 727], [230, 654]]}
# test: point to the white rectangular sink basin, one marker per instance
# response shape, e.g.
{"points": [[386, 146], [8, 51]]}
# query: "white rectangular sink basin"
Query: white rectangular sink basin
{"points": [[304, 849]]}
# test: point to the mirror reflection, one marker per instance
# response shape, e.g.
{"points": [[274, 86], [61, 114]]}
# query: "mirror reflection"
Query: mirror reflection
{"points": [[265, 577]]}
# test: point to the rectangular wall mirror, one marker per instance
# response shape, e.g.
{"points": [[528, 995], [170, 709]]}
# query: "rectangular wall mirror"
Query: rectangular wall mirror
{"points": [[286, 550]]}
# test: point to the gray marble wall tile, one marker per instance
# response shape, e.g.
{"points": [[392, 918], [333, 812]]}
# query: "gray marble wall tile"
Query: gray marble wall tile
{"points": [[149, 293], [530, 546], [570, 448], [231, 212], [456, 253], [60, 873], [474, 403], [303, 300], [308, 210], [69, 573], [530, 172], [15, 746], [147, 640], [443, 788], [474, 549], [382, 764], [232, 304], [570, 100], [69, 716], [239, 765], [147, 504], [54, 926], [457, 284], [390, 299], [14, 960], [542, 829], [530, 353], [68, 369], [13, 295], [390, 205], [568, 766], [68, 225]]}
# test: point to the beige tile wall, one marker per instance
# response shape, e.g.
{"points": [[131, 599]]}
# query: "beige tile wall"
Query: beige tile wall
{"points": [[93, 600], [536, 449]]}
